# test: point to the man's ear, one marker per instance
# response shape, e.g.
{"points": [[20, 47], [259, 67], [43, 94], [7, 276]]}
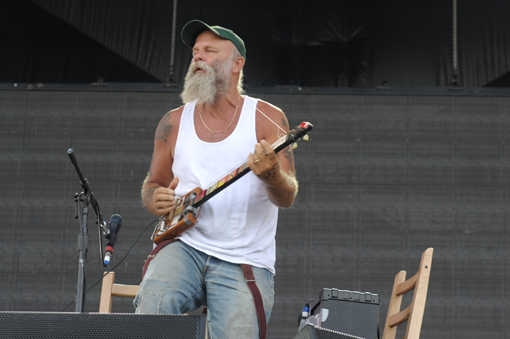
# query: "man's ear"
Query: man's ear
{"points": [[238, 65]]}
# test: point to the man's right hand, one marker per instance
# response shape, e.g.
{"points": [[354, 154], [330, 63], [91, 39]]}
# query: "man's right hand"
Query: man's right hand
{"points": [[163, 199]]}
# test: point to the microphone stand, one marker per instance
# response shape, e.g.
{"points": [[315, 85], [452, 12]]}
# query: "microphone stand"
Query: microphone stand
{"points": [[86, 197]]}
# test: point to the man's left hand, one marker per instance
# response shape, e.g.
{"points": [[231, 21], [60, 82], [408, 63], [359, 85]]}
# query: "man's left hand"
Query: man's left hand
{"points": [[265, 163]]}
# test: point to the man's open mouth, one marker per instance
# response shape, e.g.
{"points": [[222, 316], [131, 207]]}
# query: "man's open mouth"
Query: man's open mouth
{"points": [[199, 69]]}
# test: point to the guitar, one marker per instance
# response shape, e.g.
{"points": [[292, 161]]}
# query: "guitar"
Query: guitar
{"points": [[188, 206]]}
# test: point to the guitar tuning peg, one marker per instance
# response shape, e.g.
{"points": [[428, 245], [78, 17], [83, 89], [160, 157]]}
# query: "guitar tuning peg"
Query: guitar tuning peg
{"points": [[294, 146], [306, 138]]}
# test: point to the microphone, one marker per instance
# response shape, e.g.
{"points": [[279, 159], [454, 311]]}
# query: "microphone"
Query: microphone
{"points": [[113, 229]]}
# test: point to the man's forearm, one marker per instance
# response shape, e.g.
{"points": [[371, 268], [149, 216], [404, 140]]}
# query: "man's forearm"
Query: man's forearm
{"points": [[283, 191], [147, 193]]}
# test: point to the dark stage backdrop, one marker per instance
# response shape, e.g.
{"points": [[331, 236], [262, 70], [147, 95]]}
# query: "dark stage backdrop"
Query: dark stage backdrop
{"points": [[383, 178], [324, 43]]}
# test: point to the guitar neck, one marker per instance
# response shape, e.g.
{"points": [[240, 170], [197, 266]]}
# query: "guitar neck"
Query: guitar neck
{"points": [[237, 174]]}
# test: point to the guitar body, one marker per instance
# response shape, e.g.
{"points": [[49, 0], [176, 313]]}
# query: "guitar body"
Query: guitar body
{"points": [[180, 220]]}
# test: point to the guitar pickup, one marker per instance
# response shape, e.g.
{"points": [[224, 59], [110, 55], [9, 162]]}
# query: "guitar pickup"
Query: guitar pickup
{"points": [[190, 220], [190, 198]]}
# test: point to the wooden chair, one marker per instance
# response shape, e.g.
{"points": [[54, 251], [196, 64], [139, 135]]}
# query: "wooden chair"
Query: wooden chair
{"points": [[413, 314], [110, 290]]}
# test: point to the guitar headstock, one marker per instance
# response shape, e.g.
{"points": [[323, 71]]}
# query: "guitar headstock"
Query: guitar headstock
{"points": [[293, 136], [300, 132]]}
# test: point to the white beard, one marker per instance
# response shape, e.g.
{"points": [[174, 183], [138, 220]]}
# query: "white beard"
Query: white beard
{"points": [[206, 87]]}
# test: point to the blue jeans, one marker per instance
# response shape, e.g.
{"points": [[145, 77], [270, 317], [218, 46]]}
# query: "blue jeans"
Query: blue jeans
{"points": [[180, 279]]}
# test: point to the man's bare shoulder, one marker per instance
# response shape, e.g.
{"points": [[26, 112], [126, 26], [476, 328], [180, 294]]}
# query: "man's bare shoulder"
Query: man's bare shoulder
{"points": [[269, 108], [169, 125], [274, 113]]}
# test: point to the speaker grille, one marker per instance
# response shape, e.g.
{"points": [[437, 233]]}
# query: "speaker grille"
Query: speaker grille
{"points": [[16, 325], [312, 332]]}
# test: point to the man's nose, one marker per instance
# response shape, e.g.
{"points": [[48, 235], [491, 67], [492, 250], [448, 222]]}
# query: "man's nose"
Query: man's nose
{"points": [[198, 56]]}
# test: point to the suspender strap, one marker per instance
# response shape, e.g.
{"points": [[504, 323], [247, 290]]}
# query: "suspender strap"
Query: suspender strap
{"points": [[154, 252], [257, 298]]}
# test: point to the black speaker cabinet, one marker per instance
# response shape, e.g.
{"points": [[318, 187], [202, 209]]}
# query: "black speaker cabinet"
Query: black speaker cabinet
{"points": [[46, 325], [349, 312], [312, 332]]}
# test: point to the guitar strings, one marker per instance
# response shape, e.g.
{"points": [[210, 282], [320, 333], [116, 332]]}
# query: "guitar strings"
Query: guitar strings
{"points": [[278, 135]]}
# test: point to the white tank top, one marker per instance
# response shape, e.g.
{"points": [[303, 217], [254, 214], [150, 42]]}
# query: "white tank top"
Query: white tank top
{"points": [[239, 224]]}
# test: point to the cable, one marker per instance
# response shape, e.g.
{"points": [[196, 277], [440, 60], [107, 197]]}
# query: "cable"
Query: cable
{"points": [[172, 41], [121, 260], [455, 47], [455, 57], [170, 79]]}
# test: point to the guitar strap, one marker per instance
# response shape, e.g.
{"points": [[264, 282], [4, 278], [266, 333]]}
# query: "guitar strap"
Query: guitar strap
{"points": [[250, 280], [153, 254]]}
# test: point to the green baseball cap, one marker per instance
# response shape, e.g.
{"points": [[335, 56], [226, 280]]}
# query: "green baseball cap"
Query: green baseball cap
{"points": [[192, 29]]}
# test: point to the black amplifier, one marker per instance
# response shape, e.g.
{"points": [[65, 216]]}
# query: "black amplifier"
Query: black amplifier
{"points": [[351, 312]]}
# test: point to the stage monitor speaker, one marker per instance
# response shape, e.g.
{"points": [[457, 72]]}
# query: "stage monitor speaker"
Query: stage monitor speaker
{"points": [[312, 332], [20, 325], [349, 312]]}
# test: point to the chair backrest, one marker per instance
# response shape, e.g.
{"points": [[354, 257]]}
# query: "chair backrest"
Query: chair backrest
{"points": [[413, 314], [110, 289]]}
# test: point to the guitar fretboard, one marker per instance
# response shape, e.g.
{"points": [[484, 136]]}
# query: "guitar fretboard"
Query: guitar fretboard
{"points": [[230, 178]]}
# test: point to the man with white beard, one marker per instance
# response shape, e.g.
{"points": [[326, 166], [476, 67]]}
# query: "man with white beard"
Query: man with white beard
{"points": [[216, 130]]}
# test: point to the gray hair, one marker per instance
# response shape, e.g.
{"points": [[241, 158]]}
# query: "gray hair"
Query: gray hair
{"points": [[234, 55]]}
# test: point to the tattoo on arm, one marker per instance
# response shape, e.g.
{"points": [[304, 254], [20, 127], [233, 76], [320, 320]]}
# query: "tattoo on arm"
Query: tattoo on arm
{"points": [[271, 175], [164, 129], [290, 158]]}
